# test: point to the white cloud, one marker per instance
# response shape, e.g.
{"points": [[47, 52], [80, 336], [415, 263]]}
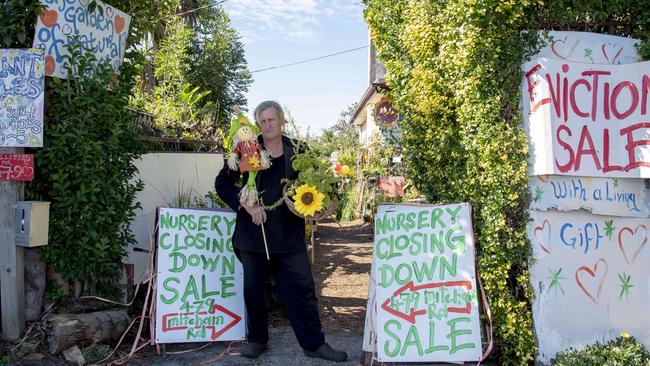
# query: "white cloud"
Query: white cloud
{"points": [[293, 20]]}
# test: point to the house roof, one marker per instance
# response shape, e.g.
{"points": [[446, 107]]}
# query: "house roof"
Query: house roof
{"points": [[372, 90]]}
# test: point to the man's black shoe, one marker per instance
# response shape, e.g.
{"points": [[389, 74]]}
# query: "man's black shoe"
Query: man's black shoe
{"points": [[253, 349], [326, 352]]}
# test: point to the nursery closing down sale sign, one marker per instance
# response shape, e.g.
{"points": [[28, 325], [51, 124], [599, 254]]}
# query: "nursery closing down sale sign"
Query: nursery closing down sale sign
{"points": [[424, 285], [200, 281]]}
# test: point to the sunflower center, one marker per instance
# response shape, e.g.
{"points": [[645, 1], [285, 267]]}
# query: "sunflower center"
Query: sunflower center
{"points": [[307, 198]]}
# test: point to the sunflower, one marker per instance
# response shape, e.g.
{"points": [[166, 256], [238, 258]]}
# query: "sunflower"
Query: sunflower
{"points": [[308, 200]]}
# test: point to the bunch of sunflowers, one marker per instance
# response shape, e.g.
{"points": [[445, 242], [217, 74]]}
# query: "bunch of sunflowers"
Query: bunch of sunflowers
{"points": [[313, 194]]}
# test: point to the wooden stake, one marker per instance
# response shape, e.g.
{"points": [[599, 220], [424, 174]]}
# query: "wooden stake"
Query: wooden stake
{"points": [[266, 247], [12, 271]]}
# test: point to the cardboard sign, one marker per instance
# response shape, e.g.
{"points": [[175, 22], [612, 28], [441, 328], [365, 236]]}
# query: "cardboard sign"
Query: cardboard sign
{"points": [[425, 285], [591, 279], [104, 34], [21, 98], [587, 120], [17, 167], [200, 281], [601, 196], [592, 48]]}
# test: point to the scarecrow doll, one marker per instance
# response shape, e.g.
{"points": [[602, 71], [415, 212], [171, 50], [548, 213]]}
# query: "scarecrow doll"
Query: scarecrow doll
{"points": [[247, 155]]}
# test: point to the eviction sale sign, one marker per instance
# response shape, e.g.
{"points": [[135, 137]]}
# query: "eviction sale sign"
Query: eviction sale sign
{"points": [[425, 284], [588, 120], [200, 281]]}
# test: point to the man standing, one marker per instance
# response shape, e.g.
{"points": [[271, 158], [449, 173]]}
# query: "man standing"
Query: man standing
{"points": [[285, 237]]}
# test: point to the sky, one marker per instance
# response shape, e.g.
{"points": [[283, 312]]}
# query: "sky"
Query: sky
{"points": [[278, 32]]}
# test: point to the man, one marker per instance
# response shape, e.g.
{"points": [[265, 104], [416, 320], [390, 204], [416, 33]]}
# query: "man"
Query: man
{"points": [[285, 238]]}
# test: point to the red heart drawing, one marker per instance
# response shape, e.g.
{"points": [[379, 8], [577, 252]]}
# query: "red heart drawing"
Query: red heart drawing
{"points": [[119, 24], [50, 65], [592, 273], [48, 17], [641, 242], [613, 52], [541, 241], [555, 45]]}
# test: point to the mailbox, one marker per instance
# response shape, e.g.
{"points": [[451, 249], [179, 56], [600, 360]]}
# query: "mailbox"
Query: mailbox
{"points": [[32, 223]]}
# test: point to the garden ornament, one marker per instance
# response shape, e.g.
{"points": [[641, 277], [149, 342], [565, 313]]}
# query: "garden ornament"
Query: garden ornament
{"points": [[247, 156]]}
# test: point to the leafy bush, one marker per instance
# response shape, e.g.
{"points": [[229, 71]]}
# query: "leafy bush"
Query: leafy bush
{"points": [[85, 169], [622, 351]]}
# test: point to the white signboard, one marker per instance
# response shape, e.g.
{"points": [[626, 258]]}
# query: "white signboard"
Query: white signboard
{"points": [[590, 48], [591, 279], [200, 281], [21, 97], [601, 196], [102, 33], [426, 295], [587, 120]]}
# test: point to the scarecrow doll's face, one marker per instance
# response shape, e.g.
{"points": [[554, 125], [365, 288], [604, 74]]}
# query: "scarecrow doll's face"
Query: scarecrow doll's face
{"points": [[245, 133]]}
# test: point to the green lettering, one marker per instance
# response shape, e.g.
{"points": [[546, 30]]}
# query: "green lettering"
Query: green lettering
{"points": [[402, 279], [181, 223], [410, 220], [454, 333], [437, 242], [385, 270], [203, 223], [167, 287], [204, 292], [412, 338], [210, 263], [227, 265], [457, 242], [230, 225], [190, 289], [453, 213], [191, 223], [416, 246], [216, 219], [452, 268], [425, 271], [395, 351], [161, 241], [422, 219], [226, 283], [436, 213], [179, 262], [432, 347]]}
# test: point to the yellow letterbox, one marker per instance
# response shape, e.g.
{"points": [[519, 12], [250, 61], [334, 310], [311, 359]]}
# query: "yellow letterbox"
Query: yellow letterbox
{"points": [[32, 223]]}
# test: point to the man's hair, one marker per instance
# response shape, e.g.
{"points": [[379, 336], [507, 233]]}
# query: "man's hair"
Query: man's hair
{"points": [[266, 105]]}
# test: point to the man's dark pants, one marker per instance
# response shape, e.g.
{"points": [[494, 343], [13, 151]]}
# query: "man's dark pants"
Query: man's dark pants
{"points": [[295, 285]]}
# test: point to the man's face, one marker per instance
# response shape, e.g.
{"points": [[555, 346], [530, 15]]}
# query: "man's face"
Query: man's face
{"points": [[270, 125]]}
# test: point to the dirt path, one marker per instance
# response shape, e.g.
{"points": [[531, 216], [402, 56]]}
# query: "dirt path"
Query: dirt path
{"points": [[342, 274]]}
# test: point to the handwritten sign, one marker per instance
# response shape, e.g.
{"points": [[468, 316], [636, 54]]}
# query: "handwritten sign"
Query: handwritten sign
{"points": [[103, 34], [200, 281], [590, 48], [17, 167], [425, 284], [591, 279], [588, 120], [602, 196], [21, 98]]}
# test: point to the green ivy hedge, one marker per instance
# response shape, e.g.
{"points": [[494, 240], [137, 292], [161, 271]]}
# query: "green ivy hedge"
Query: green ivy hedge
{"points": [[454, 74]]}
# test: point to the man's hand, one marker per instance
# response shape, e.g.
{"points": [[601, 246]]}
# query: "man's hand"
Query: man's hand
{"points": [[257, 212]]}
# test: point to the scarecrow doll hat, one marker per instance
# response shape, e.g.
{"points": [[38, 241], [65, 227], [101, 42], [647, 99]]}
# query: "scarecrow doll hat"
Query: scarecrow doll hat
{"points": [[236, 122]]}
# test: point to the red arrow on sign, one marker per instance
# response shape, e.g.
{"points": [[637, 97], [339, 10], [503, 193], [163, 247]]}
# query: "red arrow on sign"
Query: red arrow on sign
{"points": [[410, 317], [215, 334]]}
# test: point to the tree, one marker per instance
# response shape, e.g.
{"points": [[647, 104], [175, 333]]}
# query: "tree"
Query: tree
{"points": [[217, 62]]}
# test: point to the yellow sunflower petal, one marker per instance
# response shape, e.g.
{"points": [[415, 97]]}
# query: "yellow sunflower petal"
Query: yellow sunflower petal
{"points": [[308, 200]]}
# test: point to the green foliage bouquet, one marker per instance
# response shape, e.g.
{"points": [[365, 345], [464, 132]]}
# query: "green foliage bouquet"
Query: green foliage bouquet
{"points": [[314, 194]]}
